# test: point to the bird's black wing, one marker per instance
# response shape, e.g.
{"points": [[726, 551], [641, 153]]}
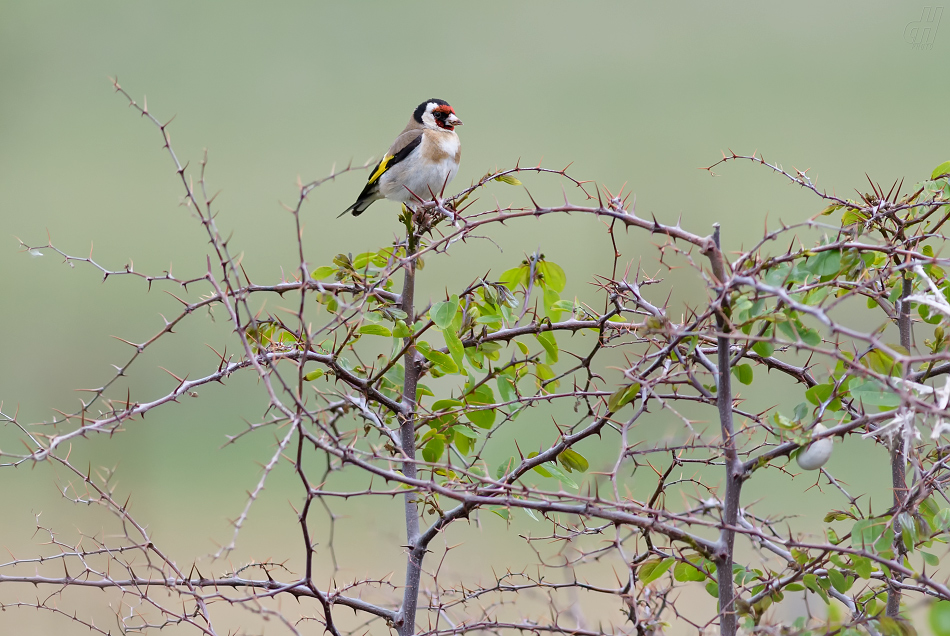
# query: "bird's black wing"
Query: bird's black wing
{"points": [[370, 191]]}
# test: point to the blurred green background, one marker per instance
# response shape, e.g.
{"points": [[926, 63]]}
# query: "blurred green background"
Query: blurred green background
{"points": [[639, 94]]}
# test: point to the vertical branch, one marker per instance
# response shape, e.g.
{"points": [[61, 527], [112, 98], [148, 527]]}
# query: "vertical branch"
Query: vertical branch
{"points": [[734, 470], [898, 451], [406, 618]]}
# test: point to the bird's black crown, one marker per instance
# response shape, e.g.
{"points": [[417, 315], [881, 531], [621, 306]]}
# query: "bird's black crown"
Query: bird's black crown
{"points": [[421, 108]]}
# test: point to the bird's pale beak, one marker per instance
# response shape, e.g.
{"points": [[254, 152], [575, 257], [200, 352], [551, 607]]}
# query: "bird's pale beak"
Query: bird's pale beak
{"points": [[452, 120]]}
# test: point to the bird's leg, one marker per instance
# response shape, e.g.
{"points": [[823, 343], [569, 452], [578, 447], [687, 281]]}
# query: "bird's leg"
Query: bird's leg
{"points": [[447, 208], [441, 205]]}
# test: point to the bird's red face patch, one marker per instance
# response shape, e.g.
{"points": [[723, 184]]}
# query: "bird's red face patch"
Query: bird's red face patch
{"points": [[441, 113]]}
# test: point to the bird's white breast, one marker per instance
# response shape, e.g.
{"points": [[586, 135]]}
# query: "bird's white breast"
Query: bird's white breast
{"points": [[449, 144], [425, 172]]}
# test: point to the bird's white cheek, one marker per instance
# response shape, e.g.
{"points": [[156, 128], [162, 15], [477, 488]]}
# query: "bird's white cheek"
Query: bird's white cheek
{"points": [[816, 454]]}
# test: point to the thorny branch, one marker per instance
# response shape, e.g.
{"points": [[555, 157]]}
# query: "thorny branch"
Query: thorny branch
{"points": [[373, 392]]}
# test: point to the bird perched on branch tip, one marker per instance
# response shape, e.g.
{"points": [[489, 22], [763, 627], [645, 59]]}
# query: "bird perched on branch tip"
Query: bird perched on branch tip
{"points": [[420, 163]]}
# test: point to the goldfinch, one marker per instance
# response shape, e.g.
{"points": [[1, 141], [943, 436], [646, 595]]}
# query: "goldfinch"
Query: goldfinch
{"points": [[420, 163]]}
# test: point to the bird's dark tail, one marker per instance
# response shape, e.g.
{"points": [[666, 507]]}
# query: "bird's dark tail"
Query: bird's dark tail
{"points": [[369, 194], [352, 209]]}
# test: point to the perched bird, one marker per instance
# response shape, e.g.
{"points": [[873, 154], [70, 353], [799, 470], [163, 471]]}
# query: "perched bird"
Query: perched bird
{"points": [[420, 163]]}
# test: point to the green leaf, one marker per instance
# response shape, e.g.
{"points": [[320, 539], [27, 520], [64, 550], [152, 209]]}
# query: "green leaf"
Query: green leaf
{"points": [[572, 460], [653, 569], [743, 373], [623, 396], [713, 589], [546, 338], [480, 397], [375, 330], [787, 328], [482, 419], [852, 216], [925, 314], [776, 276], [364, 259], [862, 566], [505, 467], [884, 363], [432, 452], [505, 178], [463, 444], [940, 618], [313, 375], [908, 531], [764, 349], [942, 520], [684, 572], [383, 256], [928, 510], [866, 532], [322, 272], [523, 347], [446, 404], [873, 393], [930, 559], [329, 301], [454, 345], [506, 389], [442, 422], [825, 264], [838, 580], [551, 298], [464, 431], [884, 545], [393, 313], [560, 475], [489, 319], [443, 361], [540, 467], [443, 313], [819, 393], [815, 296], [811, 582], [801, 410], [741, 575], [799, 272], [837, 515], [810, 337], [504, 513], [464, 438], [286, 337], [400, 330], [515, 276], [552, 275], [475, 358], [546, 373], [942, 169]]}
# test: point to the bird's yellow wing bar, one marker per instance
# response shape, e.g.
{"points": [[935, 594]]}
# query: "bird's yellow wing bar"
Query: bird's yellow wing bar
{"points": [[380, 169]]}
